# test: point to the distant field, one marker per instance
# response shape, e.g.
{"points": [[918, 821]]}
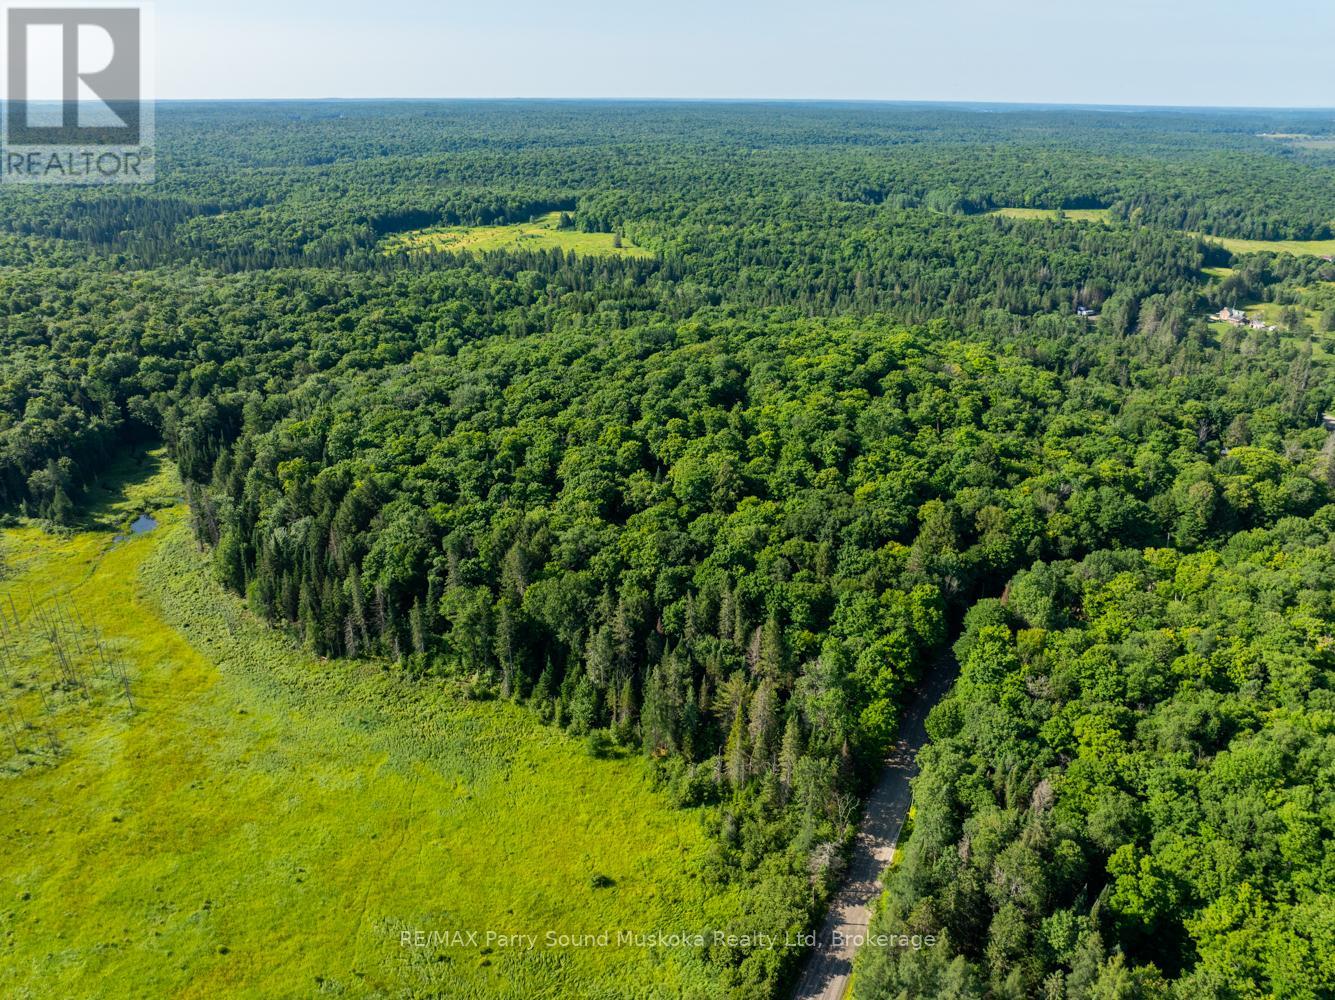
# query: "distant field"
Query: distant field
{"points": [[542, 234], [1298, 248], [268, 826], [1302, 140], [1073, 214]]}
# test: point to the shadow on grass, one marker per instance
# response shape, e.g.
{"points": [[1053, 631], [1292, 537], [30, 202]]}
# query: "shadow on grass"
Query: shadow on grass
{"points": [[140, 481], [601, 746]]}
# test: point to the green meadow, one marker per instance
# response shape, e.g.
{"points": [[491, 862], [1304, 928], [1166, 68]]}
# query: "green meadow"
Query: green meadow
{"points": [[1299, 248], [261, 824], [541, 234], [1071, 214]]}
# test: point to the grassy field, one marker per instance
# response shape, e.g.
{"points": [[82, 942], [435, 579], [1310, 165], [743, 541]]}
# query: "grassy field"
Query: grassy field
{"points": [[1301, 139], [1072, 214], [1272, 313], [542, 234], [1299, 248], [264, 825]]}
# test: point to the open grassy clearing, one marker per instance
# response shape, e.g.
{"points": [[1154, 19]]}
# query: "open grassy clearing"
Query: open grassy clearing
{"points": [[1071, 214], [1323, 344], [263, 825], [1302, 140], [1299, 248], [541, 234], [1272, 313]]}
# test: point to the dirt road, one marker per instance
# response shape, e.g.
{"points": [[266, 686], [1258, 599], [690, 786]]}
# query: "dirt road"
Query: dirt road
{"points": [[825, 976]]}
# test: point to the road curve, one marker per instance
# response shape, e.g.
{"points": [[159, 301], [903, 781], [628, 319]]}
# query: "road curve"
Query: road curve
{"points": [[828, 967]]}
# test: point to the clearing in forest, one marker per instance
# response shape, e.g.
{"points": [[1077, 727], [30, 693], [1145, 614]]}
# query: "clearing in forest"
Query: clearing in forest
{"points": [[1052, 214], [1310, 311], [1299, 248], [541, 234]]}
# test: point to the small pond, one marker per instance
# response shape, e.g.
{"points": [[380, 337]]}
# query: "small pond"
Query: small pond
{"points": [[142, 525]]}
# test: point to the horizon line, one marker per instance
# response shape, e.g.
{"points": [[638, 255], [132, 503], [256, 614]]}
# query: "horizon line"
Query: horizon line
{"points": [[909, 102]]}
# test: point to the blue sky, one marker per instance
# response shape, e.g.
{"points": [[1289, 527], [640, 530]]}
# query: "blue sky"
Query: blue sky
{"points": [[1177, 52]]}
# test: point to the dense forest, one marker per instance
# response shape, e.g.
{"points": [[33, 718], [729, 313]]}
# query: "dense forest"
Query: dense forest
{"points": [[1138, 753], [727, 503]]}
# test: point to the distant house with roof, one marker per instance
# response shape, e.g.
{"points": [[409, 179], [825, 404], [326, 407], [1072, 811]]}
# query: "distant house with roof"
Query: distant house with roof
{"points": [[1235, 317]]}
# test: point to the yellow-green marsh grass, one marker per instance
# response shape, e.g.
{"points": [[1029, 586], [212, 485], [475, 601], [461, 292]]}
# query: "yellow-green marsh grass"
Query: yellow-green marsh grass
{"points": [[266, 825], [541, 234]]}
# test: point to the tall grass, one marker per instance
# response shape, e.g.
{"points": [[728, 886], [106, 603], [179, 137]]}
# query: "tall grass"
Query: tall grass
{"points": [[266, 825]]}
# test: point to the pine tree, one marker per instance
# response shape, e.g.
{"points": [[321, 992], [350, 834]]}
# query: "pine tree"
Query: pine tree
{"points": [[61, 510], [736, 753], [417, 625], [626, 703], [790, 753], [350, 647], [599, 655], [771, 658], [544, 693], [690, 625], [310, 619], [660, 713], [623, 636], [357, 598], [764, 728], [727, 616]]}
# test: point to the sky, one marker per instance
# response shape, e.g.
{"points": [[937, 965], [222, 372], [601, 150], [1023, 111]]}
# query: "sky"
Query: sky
{"points": [[1234, 53]]}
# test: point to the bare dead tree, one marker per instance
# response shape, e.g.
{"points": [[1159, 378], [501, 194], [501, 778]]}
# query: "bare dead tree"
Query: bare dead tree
{"points": [[124, 676], [12, 727]]}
